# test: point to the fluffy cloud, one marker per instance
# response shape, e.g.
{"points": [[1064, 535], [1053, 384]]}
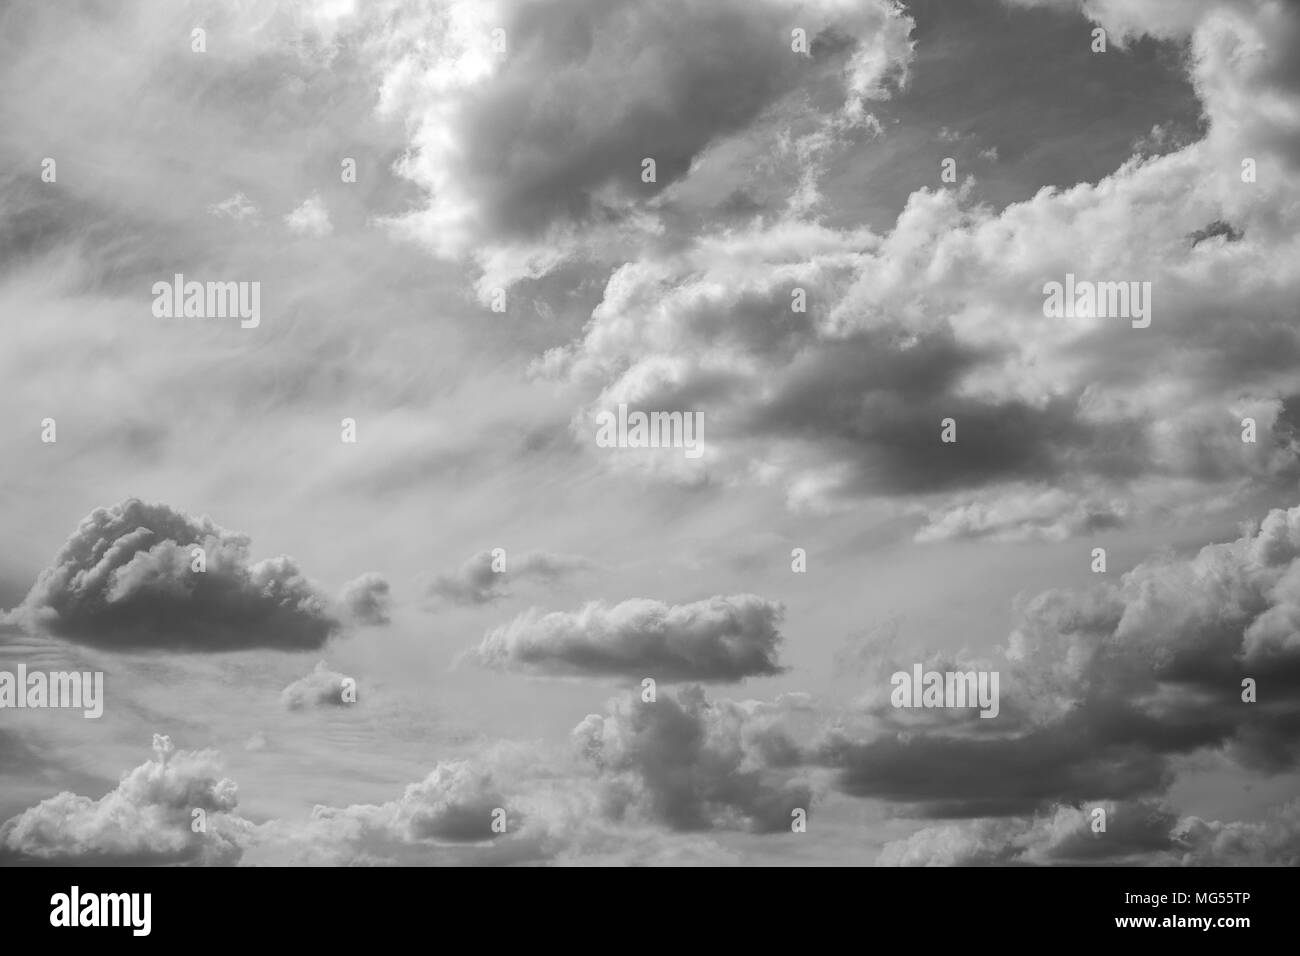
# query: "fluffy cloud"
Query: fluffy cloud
{"points": [[1022, 513], [125, 580], [453, 804], [447, 819], [366, 599], [477, 582], [694, 764], [719, 639], [540, 143], [1274, 841], [311, 219], [1104, 689], [321, 688], [1060, 427], [148, 819]]}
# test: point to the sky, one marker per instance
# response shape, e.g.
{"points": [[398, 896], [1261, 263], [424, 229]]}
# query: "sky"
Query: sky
{"points": [[430, 594]]}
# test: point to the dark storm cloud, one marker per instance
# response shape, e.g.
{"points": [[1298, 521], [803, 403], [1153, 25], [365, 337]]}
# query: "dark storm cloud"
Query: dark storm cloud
{"points": [[694, 764], [126, 579], [719, 639], [476, 581]]}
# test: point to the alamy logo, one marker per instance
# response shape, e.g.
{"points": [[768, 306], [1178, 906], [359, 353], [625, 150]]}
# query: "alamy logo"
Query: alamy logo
{"points": [[948, 689], [62, 689], [103, 909], [208, 300], [683, 430], [1103, 300]]}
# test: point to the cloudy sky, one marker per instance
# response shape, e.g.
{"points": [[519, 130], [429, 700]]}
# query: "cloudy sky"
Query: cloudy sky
{"points": [[445, 207]]}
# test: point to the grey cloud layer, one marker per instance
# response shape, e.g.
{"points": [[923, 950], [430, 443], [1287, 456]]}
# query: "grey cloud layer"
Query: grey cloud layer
{"points": [[719, 639]]}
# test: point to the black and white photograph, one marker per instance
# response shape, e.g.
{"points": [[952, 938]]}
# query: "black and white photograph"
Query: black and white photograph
{"points": [[650, 433]]}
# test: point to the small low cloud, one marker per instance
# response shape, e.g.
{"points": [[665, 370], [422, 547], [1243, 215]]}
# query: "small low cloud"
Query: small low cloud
{"points": [[693, 764], [718, 639], [140, 575], [321, 688], [486, 577]]}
